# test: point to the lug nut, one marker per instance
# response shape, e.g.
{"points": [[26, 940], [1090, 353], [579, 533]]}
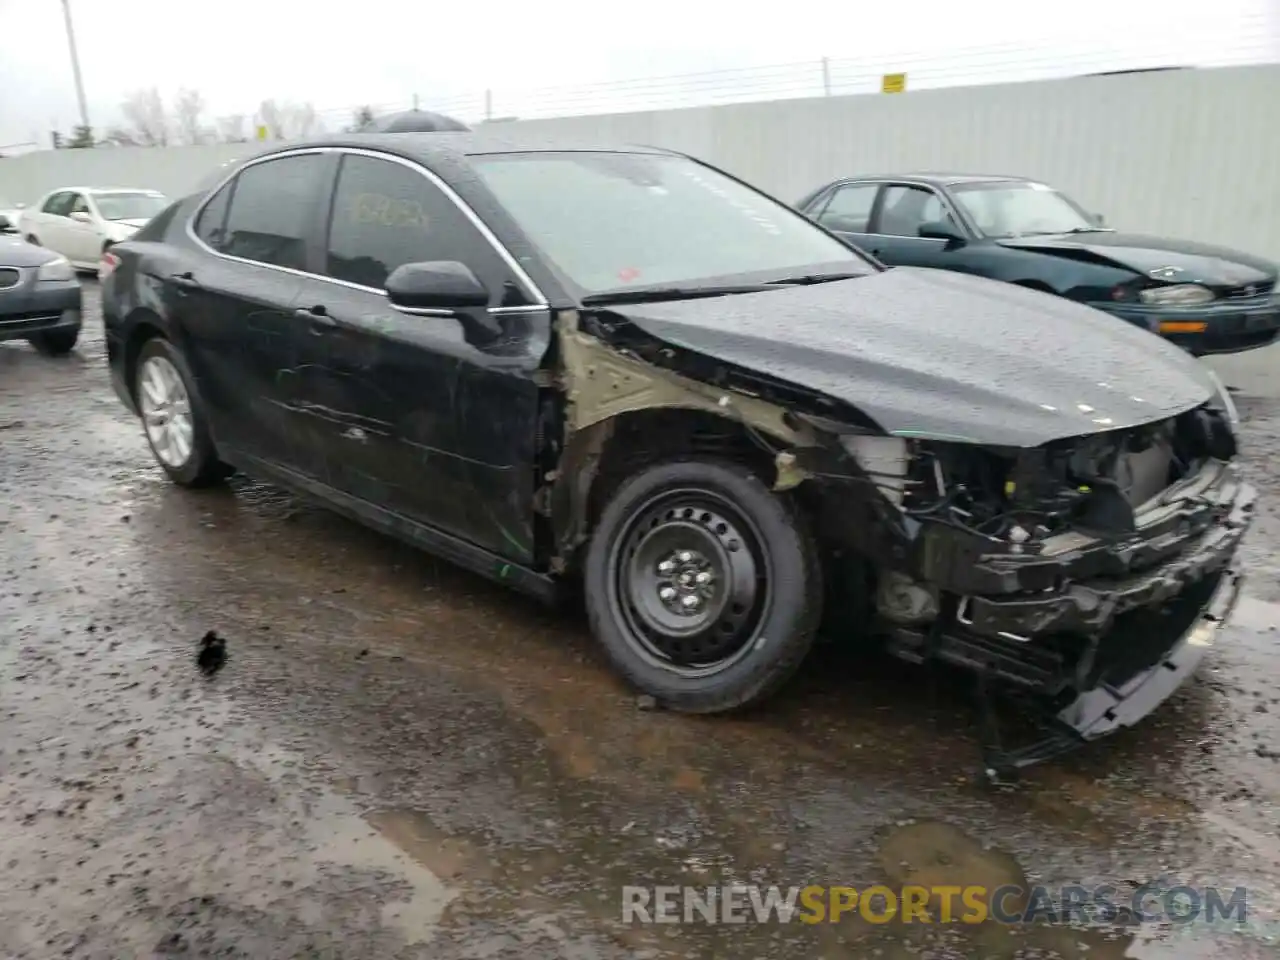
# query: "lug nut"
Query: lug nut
{"points": [[667, 593], [690, 601], [666, 566], [684, 556], [704, 576]]}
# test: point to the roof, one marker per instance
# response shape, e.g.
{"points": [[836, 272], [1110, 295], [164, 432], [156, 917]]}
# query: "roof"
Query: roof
{"points": [[941, 179], [96, 190], [448, 145]]}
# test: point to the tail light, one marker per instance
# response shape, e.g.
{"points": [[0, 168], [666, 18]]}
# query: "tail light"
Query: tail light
{"points": [[107, 265]]}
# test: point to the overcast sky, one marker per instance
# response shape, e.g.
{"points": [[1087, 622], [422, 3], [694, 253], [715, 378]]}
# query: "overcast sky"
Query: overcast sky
{"points": [[567, 56]]}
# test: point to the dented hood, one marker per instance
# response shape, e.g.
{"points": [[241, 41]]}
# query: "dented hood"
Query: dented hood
{"points": [[1177, 261], [935, 353]]}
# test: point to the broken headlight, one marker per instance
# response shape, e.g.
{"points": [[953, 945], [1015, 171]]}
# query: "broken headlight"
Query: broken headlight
{"points": [[1176, 295]]}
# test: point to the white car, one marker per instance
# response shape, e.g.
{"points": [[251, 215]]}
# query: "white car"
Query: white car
{"points": [[82, 222]]}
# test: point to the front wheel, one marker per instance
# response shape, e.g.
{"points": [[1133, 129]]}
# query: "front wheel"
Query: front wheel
{"points": [[55, 343], [173, 417], [703, 586]]}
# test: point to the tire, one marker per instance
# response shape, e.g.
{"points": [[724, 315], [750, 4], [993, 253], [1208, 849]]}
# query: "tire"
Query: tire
{"points": [[194, 463], [705, 517], [55, 343]]}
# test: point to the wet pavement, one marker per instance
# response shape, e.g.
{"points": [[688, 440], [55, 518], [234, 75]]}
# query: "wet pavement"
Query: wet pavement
{"points": [[399, 760]]}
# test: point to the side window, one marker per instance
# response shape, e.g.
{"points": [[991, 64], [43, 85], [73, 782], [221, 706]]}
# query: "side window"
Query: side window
{"points": [[906, 208], [272, 210], [850, 209], [386, 215], [58, 204], [210, 226], [78, 204]]}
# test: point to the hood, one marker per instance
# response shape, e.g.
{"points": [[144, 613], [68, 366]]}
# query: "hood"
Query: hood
{"points": [[1175, 261], [940, 354], [15, 252]]}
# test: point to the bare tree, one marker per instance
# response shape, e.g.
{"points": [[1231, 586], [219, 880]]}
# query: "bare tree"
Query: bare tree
{"points": [[288, 121], [146, 121], [361, 118], [269, 117], [120, 137], [231, 128], [82, 138], [188, 112]]}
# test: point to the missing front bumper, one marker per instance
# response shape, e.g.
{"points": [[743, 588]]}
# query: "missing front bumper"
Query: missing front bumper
{"points": [[1093, 656]]}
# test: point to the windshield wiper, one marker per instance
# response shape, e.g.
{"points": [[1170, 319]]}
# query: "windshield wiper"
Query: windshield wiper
{"points": [[657, 294], [810, 278], [1092, 230]]}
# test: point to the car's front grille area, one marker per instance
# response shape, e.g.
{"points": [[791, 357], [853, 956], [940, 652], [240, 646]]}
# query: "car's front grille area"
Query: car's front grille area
{"points": [[1249, 291], [9, 277]]}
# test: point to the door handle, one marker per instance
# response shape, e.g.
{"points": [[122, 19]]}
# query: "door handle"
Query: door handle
{"points": [[185, 281], [318, 317]]}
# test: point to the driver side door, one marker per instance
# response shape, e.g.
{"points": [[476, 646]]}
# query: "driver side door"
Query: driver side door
{"points": [[418, 419], [903, 209]]}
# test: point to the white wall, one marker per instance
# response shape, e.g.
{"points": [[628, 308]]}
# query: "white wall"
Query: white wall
{"points": [[1185, 153]]}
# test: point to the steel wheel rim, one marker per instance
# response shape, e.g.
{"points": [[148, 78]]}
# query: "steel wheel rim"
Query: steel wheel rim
{"points": [[165, 406], [655, 565]]}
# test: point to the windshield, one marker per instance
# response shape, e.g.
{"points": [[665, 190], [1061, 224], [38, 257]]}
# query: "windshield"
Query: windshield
{"points": [[129, 206], [610, 221], [1017, 209]]}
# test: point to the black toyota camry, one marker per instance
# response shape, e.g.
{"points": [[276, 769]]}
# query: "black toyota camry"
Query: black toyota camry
{"points": [[621, 369]]}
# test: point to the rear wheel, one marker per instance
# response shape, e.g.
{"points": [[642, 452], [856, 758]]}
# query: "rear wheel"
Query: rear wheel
{"points": [[703, 586], [55, 343], [173, 418]]}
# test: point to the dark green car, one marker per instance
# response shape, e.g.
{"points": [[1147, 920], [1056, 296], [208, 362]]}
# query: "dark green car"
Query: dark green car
{"points": [[1206, 299]]}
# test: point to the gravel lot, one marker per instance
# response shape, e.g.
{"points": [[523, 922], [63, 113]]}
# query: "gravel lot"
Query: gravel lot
{"points": [[402, 761]]}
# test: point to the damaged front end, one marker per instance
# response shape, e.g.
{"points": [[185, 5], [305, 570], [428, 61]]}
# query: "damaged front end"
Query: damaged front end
{"points": [[1086, 574]]}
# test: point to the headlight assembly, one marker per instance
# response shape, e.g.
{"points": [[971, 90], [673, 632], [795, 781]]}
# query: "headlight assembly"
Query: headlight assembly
{"points": [[55, 270], [1176, 295]]}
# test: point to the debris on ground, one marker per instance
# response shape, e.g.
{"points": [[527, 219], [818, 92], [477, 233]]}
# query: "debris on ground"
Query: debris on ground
{"points": [[213, 654]]}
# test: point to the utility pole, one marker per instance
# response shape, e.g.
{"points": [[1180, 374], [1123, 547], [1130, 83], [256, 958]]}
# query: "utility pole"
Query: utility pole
{"points": [[75, 63]]}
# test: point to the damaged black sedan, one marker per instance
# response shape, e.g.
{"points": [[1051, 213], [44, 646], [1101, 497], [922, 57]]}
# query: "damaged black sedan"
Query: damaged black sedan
{"points": [[624, 370]]}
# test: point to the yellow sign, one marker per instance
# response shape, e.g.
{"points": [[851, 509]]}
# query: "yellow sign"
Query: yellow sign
{"points": [[262, 131], [893, 83]]}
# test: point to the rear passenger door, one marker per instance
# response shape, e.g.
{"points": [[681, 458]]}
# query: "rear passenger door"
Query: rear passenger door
{"points": [[235, 299], [421, 420]]}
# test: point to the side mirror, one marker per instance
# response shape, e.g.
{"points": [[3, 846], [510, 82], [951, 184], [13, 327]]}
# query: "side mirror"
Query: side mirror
{"points": [[444, 288], [941, 230], [80, 216]]}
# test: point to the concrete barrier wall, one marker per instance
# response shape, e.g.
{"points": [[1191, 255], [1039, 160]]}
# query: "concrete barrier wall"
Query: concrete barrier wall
{"points": [[1184, 153]]}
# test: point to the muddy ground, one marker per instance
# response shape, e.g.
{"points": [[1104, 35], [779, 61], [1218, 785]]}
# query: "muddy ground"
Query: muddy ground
{"points": [[402, 761]]}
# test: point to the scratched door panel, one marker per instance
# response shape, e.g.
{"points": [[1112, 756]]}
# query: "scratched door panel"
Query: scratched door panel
{"points": [[378, 391], [239, 335]]}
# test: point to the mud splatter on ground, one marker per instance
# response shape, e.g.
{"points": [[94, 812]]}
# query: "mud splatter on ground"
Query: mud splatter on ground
{"points": [[401, 761]]}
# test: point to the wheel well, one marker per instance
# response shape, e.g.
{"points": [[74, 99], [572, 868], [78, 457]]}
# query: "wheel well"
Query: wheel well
{"points": [[1035, 285], [144, 328], [645, 437]]}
